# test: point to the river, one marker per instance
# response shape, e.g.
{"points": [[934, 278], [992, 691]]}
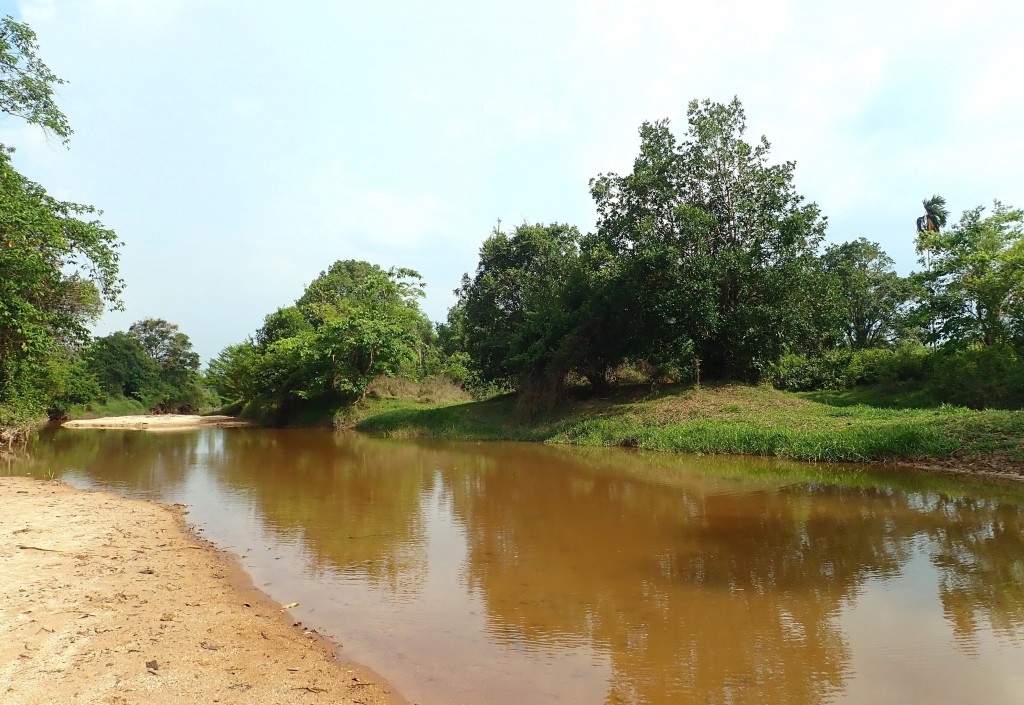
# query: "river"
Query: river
{"points": [[500, 573]]}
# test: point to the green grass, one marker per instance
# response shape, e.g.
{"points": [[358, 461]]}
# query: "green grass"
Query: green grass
{"points": [[903, 396], [724, 419], [112, 407], [384, 395]]}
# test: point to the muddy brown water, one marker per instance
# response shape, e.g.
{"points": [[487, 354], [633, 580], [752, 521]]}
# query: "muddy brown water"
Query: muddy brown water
{"points": [[505, 574]]}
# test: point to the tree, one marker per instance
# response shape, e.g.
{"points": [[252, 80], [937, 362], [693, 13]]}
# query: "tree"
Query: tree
{"points": [[873, 296], [935, 212], [707, 249], [513, 313], [230, 374], [26, 83], [353, 323], [172, 352], [58, 264], [286, 322], [123, 368], [974, 288], [56, 269]]}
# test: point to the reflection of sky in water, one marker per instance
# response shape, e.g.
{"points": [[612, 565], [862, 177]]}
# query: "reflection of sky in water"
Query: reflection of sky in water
{"points": [[505, 573], [905, 652]]}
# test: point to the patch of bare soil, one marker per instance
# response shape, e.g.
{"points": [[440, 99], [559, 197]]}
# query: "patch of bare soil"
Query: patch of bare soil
{"points": [[158, 422], [993, 466], [113, 601]]}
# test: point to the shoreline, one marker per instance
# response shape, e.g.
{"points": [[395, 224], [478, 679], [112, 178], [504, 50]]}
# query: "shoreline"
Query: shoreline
{"points": [[111, 600], [731, 419], [416, 423]]}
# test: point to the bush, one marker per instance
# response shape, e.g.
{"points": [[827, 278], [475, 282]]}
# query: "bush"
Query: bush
{"points": [[981, 377], [799, 373], [888, 366]]}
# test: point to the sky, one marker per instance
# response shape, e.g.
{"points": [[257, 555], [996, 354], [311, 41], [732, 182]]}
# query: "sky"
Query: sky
{"points": [[238, 148]]}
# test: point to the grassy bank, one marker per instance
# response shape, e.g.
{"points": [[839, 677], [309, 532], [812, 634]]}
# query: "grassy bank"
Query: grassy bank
{"points": [[112, 407], [725, 419], [384, 395]]}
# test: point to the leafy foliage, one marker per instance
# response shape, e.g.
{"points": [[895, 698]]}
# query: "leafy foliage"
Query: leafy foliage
{"points": [[873, 296], [352, 324], [123, 368], [178, 366], [707, 248], [26, 83], [58, 263], [974, 278], [515, 312], [936, 211]]}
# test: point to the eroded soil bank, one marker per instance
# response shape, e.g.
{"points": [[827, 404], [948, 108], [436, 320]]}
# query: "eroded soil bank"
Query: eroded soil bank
{"points": [[109, 600]]}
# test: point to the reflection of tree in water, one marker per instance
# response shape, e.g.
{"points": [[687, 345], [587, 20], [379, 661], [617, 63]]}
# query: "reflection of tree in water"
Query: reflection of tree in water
{"points": [[356, 502], [141, 463], [701, 585], [697, 593], [979, 552]]}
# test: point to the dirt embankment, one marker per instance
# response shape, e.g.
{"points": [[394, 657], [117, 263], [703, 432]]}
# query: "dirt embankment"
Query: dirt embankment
{"points": [[113, 601], [158, 422]]}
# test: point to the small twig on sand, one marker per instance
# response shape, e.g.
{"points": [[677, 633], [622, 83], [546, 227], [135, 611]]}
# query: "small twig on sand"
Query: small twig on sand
{"points": [[36, 548]]}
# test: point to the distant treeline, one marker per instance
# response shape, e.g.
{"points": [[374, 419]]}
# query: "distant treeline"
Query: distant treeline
{"points": [[705, 264]]}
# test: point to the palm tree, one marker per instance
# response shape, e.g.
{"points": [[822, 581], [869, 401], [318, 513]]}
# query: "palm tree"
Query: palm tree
{"points": [[934, 219], [936, 214]]}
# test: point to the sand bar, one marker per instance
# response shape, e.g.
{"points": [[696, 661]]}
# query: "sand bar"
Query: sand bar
{"points": [[158, 422], [115, 601]]}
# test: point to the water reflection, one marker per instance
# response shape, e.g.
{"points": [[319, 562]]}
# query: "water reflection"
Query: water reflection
{"points": [[512, 573]]}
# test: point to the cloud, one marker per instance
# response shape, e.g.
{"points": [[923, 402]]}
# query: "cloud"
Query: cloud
{"points": [[36, 12]]}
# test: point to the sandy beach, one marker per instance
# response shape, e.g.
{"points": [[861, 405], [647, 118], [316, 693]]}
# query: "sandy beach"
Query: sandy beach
{"points": [[158, 422], [115, 601]]}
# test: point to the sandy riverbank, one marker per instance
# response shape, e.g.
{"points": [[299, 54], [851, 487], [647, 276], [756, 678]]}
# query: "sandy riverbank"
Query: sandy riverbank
{"points": [[158, 422], [114, 601]]}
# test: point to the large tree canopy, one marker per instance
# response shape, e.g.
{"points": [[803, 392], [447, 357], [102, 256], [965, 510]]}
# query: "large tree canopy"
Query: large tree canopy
{"points": [[353, 323], [873, 296], [709, 247], [514, 311], [57, 267]]}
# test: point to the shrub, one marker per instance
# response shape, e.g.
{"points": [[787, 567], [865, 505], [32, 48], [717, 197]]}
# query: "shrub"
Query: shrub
{"points": [[981, 377], [888, 366], [799, 373]]}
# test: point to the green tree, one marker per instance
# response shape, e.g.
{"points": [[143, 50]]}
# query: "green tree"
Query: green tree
{"points": [[513, 315], [353, 323], [58, 263], [26, 83], [936, 212], [873, 296], [974, 287], [123, 368], [171, 350], [707, 249], [286, 322], [56, 268], [230, 374]]}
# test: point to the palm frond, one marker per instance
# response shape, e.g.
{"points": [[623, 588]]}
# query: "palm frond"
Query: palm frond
{"points": [[935, 208]]}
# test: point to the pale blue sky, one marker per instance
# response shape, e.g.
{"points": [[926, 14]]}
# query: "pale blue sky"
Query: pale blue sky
{"points": [[239, 148]]}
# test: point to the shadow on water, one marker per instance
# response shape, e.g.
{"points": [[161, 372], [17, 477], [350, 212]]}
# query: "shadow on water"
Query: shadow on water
{"points": [[501, 573]]}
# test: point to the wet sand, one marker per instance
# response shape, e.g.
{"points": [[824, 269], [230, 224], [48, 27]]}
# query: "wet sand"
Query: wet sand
{"points": [[115, 601]]}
